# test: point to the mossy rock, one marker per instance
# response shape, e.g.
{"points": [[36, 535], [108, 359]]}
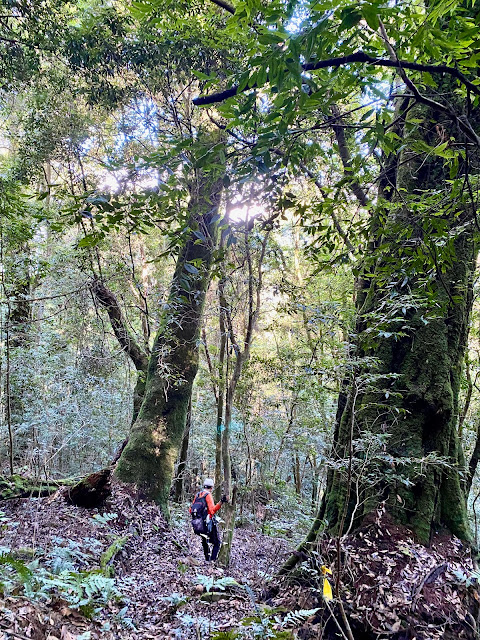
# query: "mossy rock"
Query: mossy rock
{"points": [[215, 596]]}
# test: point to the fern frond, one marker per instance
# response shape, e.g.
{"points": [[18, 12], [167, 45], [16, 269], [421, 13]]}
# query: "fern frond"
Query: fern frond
{"points": [[296, 618]]}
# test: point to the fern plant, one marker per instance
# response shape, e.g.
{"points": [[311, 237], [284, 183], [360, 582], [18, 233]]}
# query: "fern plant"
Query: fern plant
{"points": [[102, 519], [221, 584], [298, 617], [88, 591]]}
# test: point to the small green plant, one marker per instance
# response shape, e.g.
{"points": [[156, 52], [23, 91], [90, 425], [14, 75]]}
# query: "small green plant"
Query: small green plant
{"points": [[175, 600], [467, 578], [88, 591], [102, 519], [227, 635], [221, 584], [200, 624], [109, 555], [182, 567], [124, 620], [298, 617]]}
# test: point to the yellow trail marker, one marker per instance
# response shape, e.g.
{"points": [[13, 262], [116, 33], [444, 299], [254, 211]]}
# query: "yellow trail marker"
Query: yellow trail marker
{"points": [[327, 589]]}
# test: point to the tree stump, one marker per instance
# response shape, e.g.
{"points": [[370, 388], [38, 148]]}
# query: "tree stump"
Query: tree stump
{"points": [[92, 491]]}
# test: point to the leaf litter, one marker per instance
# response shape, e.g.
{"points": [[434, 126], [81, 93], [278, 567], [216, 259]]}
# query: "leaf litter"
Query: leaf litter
{"points": [[157, 570], [391, 586]]}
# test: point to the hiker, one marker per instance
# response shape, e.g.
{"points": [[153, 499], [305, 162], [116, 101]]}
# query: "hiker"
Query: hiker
{"points": [[204, 522]]}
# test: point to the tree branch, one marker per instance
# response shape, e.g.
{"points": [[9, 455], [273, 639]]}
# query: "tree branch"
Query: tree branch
{"points": [[209, 363], [357, 57], [462, 122], [224, 5], [106, 298], [345, 156], [336, 222]]}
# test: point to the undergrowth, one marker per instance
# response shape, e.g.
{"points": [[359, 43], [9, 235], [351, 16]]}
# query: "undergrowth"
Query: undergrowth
{"points": [[64, 573]]}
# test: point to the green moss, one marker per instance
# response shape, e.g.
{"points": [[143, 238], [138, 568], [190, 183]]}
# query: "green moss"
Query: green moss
{"points": [[18, 486], [420, 413], [149, 457]]}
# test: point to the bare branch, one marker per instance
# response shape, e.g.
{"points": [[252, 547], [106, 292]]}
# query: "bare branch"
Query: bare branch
{"points": [[224, 5], [106, 298]]}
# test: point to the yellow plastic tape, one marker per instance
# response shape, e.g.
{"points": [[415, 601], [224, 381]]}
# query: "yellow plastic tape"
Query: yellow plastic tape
{"points": [[327, 590]]}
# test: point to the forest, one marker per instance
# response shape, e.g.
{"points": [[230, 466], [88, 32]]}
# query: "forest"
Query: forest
{"points": [[239, 315]]}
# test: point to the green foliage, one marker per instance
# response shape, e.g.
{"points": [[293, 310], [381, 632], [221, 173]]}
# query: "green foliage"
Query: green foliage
{"points": [[22, 570], [227, 635], [109, 555], [87, 591], [467, 578], [216, 584], [103, 519], [175, 600], [298, 617]]}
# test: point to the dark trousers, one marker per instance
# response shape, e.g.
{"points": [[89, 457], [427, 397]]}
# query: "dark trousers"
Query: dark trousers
{"points": [[213, 537]]}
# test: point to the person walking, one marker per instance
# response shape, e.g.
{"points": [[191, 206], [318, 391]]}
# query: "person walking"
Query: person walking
{"points": [[204, 522]]}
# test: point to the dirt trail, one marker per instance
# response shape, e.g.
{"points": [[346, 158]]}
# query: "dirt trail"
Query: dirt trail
{"points": [[156, 567]]}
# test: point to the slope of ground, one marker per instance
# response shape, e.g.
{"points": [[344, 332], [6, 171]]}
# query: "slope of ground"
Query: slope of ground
{"points": [[70, 573], [144, 579]]}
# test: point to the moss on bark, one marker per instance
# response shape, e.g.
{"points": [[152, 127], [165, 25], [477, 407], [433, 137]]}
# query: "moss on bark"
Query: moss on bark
{"points": [[149, 457], [17, 486], [421, 354]]}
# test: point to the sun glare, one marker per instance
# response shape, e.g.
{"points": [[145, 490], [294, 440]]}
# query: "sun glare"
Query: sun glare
{"points": [[244, 213]]}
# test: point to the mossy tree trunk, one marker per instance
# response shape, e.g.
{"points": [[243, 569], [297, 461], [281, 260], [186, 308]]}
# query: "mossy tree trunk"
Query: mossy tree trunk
{"points": [[473, 462], [15, 289], [182, 461], [421, 282], [219, 427], [149, 457], [414, 298]]}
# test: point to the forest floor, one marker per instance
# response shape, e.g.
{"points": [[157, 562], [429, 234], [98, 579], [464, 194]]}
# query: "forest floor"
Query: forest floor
{"points": [[69, 573], [156, 583]]}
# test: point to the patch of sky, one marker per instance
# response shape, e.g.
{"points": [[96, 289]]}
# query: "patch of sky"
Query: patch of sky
{"points": [[137, 127], [300, 15]]}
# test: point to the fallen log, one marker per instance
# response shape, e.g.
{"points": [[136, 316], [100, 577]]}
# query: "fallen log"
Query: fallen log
{"points": [[17, 486]]}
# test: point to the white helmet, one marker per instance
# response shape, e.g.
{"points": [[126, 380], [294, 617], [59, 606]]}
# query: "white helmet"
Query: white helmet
{"points": [[208, 483]]}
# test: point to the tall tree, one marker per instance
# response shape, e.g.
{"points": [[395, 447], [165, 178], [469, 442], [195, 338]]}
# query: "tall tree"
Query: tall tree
{"points": [[414, 290], [149, 457]]}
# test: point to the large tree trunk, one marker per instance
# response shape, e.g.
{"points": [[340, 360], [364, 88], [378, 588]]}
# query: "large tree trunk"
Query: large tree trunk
{"points": [[473, 463], [420, 356], [149, 457], [221, 395], [182, 463], [16, 289]]}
